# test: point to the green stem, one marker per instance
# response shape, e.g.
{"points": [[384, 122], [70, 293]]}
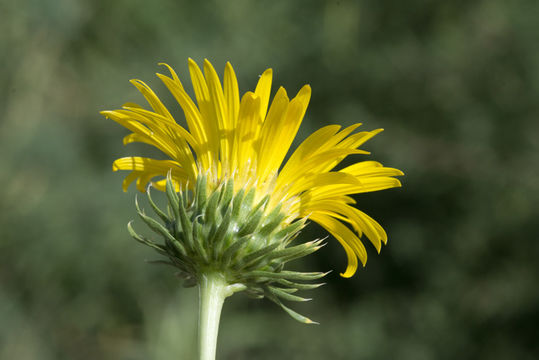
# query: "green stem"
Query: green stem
{"points": [[213, 289], [212, 292]]}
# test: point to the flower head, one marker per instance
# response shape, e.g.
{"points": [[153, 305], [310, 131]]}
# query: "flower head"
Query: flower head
{"points": [[238, 146]]}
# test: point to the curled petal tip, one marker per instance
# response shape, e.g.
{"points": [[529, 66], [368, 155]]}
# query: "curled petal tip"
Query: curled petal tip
{"points": [[306, 88]]}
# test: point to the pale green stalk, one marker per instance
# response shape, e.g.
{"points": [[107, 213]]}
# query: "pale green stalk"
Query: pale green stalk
{"points": [[213, 290]]}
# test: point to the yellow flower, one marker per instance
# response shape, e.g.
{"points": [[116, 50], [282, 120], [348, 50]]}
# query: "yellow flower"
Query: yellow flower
{"points": [[229, 138]]}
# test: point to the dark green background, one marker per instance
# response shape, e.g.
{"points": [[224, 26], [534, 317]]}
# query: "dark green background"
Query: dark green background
{"points": [[454, 83]]}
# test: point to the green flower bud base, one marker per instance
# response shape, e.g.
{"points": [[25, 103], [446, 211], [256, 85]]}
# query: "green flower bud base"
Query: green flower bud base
{"points": [[224, 240]]}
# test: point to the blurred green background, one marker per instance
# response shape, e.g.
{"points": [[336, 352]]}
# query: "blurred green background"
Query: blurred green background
{"points": [[454, 83]]}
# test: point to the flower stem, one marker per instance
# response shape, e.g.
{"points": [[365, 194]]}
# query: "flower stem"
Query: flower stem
{"points": [[213, 290]]}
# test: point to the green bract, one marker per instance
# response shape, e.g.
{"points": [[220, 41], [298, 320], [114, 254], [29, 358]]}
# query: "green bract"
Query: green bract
{"points": [[230, 233]]}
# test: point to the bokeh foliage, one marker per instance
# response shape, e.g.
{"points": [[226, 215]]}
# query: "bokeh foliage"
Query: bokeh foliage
{"points": [[454, 83]]}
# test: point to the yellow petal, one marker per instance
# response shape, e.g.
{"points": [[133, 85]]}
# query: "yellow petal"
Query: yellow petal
{"points": [[245, 135], [283, 134], [133, 123], [359, 139], [146, 164], [232, 95], [263, 90], [166, 134], [171, 128], [217, 100], [194, 121], [317, 164], [143, 180], [304, 96], [152, 99], [145, 169], [132, 176], [367, 185], [322, 140], [361, 222], [309, 146], [269, 132], [207, 120], [175, 77], [371, 169], [279, 130], [309, 181], [347, 239]]}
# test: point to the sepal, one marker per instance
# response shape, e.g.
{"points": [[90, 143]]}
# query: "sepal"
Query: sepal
{"points": [[231, 232]]}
